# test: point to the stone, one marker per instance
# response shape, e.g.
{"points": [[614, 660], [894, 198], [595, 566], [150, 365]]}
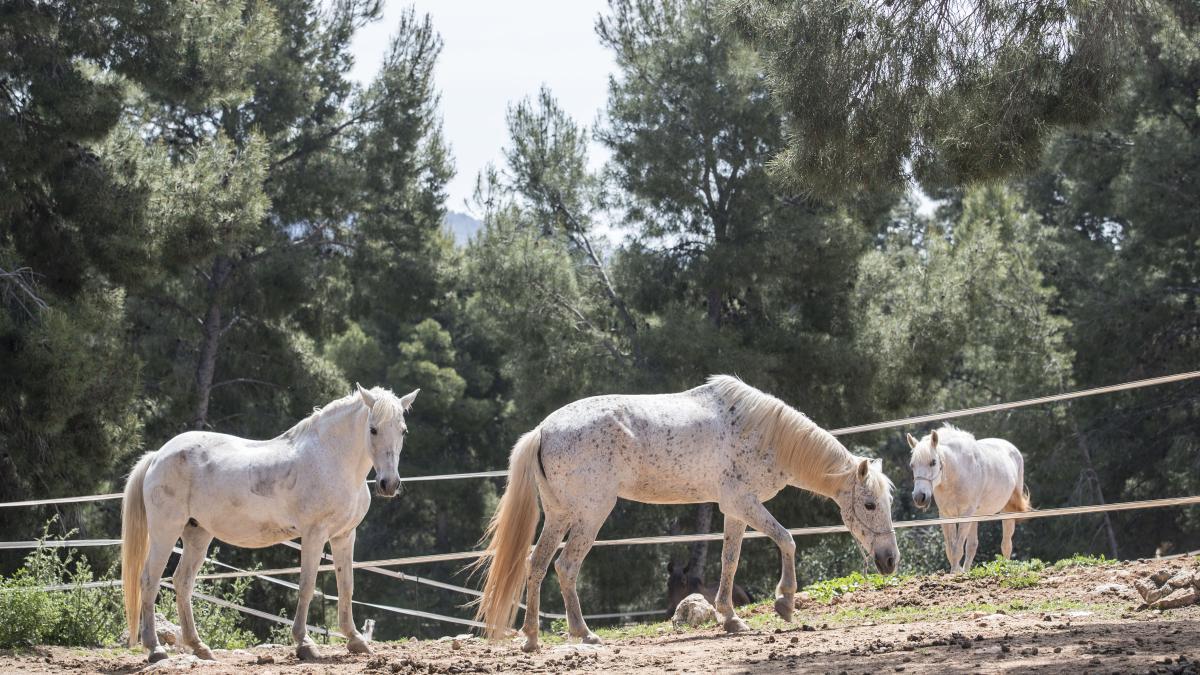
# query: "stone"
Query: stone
{"points": [[1110, 589], [1180, 597], [168, 633], [1182, 579], [1148, 589], [694, 610], [1160, 577]]}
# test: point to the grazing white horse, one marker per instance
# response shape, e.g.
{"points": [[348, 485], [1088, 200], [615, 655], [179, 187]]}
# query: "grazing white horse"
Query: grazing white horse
{"points": [[741, 447], [968, 477], [310, 482]]}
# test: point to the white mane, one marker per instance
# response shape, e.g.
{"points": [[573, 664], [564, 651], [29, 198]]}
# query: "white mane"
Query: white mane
{"points": [[387, 407]]}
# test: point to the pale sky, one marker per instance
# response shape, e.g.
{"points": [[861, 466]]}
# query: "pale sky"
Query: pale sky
{"points": [[496, 53]]}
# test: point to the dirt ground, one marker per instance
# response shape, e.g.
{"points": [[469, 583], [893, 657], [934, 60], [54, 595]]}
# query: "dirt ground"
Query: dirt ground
{"points": [[1073, 621]]}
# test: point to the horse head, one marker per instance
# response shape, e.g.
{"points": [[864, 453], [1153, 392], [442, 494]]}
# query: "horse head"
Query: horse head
{"points": [[386, 429], [927, 463], [866, 504]]}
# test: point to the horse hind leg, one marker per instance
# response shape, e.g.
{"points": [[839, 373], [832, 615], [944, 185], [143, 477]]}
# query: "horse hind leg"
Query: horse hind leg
{"points": [[583, 535], [1009, 526], [195, 546], [539, 562], [162, 543]]}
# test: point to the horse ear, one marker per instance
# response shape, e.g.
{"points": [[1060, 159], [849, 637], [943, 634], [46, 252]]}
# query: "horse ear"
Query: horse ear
{"points": [[367, 399], [407, 399], [933, 439], [864, 468], [912, 442]]}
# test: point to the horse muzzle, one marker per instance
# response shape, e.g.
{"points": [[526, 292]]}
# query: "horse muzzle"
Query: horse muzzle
{"points": [[387, 487], [885, 561], [920, 499]]}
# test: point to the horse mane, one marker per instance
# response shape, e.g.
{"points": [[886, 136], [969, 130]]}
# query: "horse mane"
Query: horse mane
{"points": [[387, 407], [802, 449]]}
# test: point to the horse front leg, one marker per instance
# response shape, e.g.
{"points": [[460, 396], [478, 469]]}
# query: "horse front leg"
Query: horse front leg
{"points": [[312, 545], [953, 551], [971, 544], [748, 509], [731, 551], [343, 569]]}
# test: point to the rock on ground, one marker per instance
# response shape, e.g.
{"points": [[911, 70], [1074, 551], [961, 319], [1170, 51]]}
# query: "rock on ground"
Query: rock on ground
{"points": [[168, 633], [694, 610]]}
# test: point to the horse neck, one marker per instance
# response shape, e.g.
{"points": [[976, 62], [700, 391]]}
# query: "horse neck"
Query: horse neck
{"points": [[339, 436], [819, 463]]}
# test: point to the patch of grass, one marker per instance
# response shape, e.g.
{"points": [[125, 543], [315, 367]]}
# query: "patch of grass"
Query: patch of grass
{"points": [[1010, 573], [826, 591], [1081, 560]]}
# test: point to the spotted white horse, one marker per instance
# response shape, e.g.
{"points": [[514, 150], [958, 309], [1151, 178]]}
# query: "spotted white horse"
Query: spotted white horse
{"points": [[309, 482], [968, 477], [741, 447]]}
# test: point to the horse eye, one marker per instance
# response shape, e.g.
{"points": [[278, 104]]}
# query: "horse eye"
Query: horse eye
{"points": [[870, 506], [374, 431]]}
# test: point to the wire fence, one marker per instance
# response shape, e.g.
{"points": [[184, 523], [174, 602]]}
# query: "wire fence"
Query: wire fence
{"points": [[380, 566]]}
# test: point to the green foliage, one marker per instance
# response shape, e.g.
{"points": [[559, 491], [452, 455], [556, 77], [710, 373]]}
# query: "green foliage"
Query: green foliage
{"points": [[1082, 560], [1010, 573], [77, 615], [825, 591], [870, 87]]}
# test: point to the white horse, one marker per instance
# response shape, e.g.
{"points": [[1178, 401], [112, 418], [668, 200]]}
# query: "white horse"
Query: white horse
{"points": [[309, 482], [741, 447], [968, 477]]}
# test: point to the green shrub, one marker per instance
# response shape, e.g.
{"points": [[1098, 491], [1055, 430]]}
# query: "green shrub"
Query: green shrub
{"points": [[82, 615], [77, 615], [1082, 560]]}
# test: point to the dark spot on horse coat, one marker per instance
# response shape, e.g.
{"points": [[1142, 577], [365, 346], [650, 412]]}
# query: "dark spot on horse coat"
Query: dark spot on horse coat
{"points": [[192, 522]]}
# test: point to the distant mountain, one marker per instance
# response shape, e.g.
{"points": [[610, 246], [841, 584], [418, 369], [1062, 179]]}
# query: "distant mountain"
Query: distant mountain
{"points": [[462, 226]]}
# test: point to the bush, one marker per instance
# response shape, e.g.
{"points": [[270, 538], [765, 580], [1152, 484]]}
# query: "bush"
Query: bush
{"points": [[86, 610], [78, 614]]}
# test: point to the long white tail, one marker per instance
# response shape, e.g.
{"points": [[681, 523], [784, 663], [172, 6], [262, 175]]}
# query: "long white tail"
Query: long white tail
{"points": [[135, 541], [510, 533]]}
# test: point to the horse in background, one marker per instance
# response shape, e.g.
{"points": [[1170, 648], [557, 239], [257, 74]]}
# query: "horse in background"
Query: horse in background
{"points": [[741, 446], [309, 482], [681, 583], [968, 477]]}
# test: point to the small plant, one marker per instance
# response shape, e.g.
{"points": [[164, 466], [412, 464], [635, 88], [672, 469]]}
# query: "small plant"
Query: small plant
{"points": [[1082, 560], [1010, 573], [826, 591]]}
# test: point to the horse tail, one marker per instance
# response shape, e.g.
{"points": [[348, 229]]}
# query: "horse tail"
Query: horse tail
{"points": [[135, 541], [1019, 502], [505, 562]]}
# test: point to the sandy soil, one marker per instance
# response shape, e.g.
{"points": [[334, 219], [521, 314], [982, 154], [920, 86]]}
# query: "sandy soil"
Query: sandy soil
{"points": [[1068, 623]]}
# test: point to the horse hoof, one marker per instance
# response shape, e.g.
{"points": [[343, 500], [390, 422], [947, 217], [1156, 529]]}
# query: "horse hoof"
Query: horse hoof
{"points": [[735, 625], [307, 652], [358, 646], [530, 645], [157, 654], [203, 652], [784, 605], [591, 639]]}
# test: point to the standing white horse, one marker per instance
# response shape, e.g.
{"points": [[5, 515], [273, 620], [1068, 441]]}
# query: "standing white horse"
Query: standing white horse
{"points": [[741, 447], [968, 477], [309, 482]]}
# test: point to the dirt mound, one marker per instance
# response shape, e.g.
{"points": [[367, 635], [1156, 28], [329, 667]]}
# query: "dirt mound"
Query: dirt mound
{"points": [[1075, 619]]}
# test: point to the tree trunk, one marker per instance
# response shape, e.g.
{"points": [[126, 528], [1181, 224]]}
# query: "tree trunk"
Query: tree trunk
{"points": [[1094, 479], [210, 340]]}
